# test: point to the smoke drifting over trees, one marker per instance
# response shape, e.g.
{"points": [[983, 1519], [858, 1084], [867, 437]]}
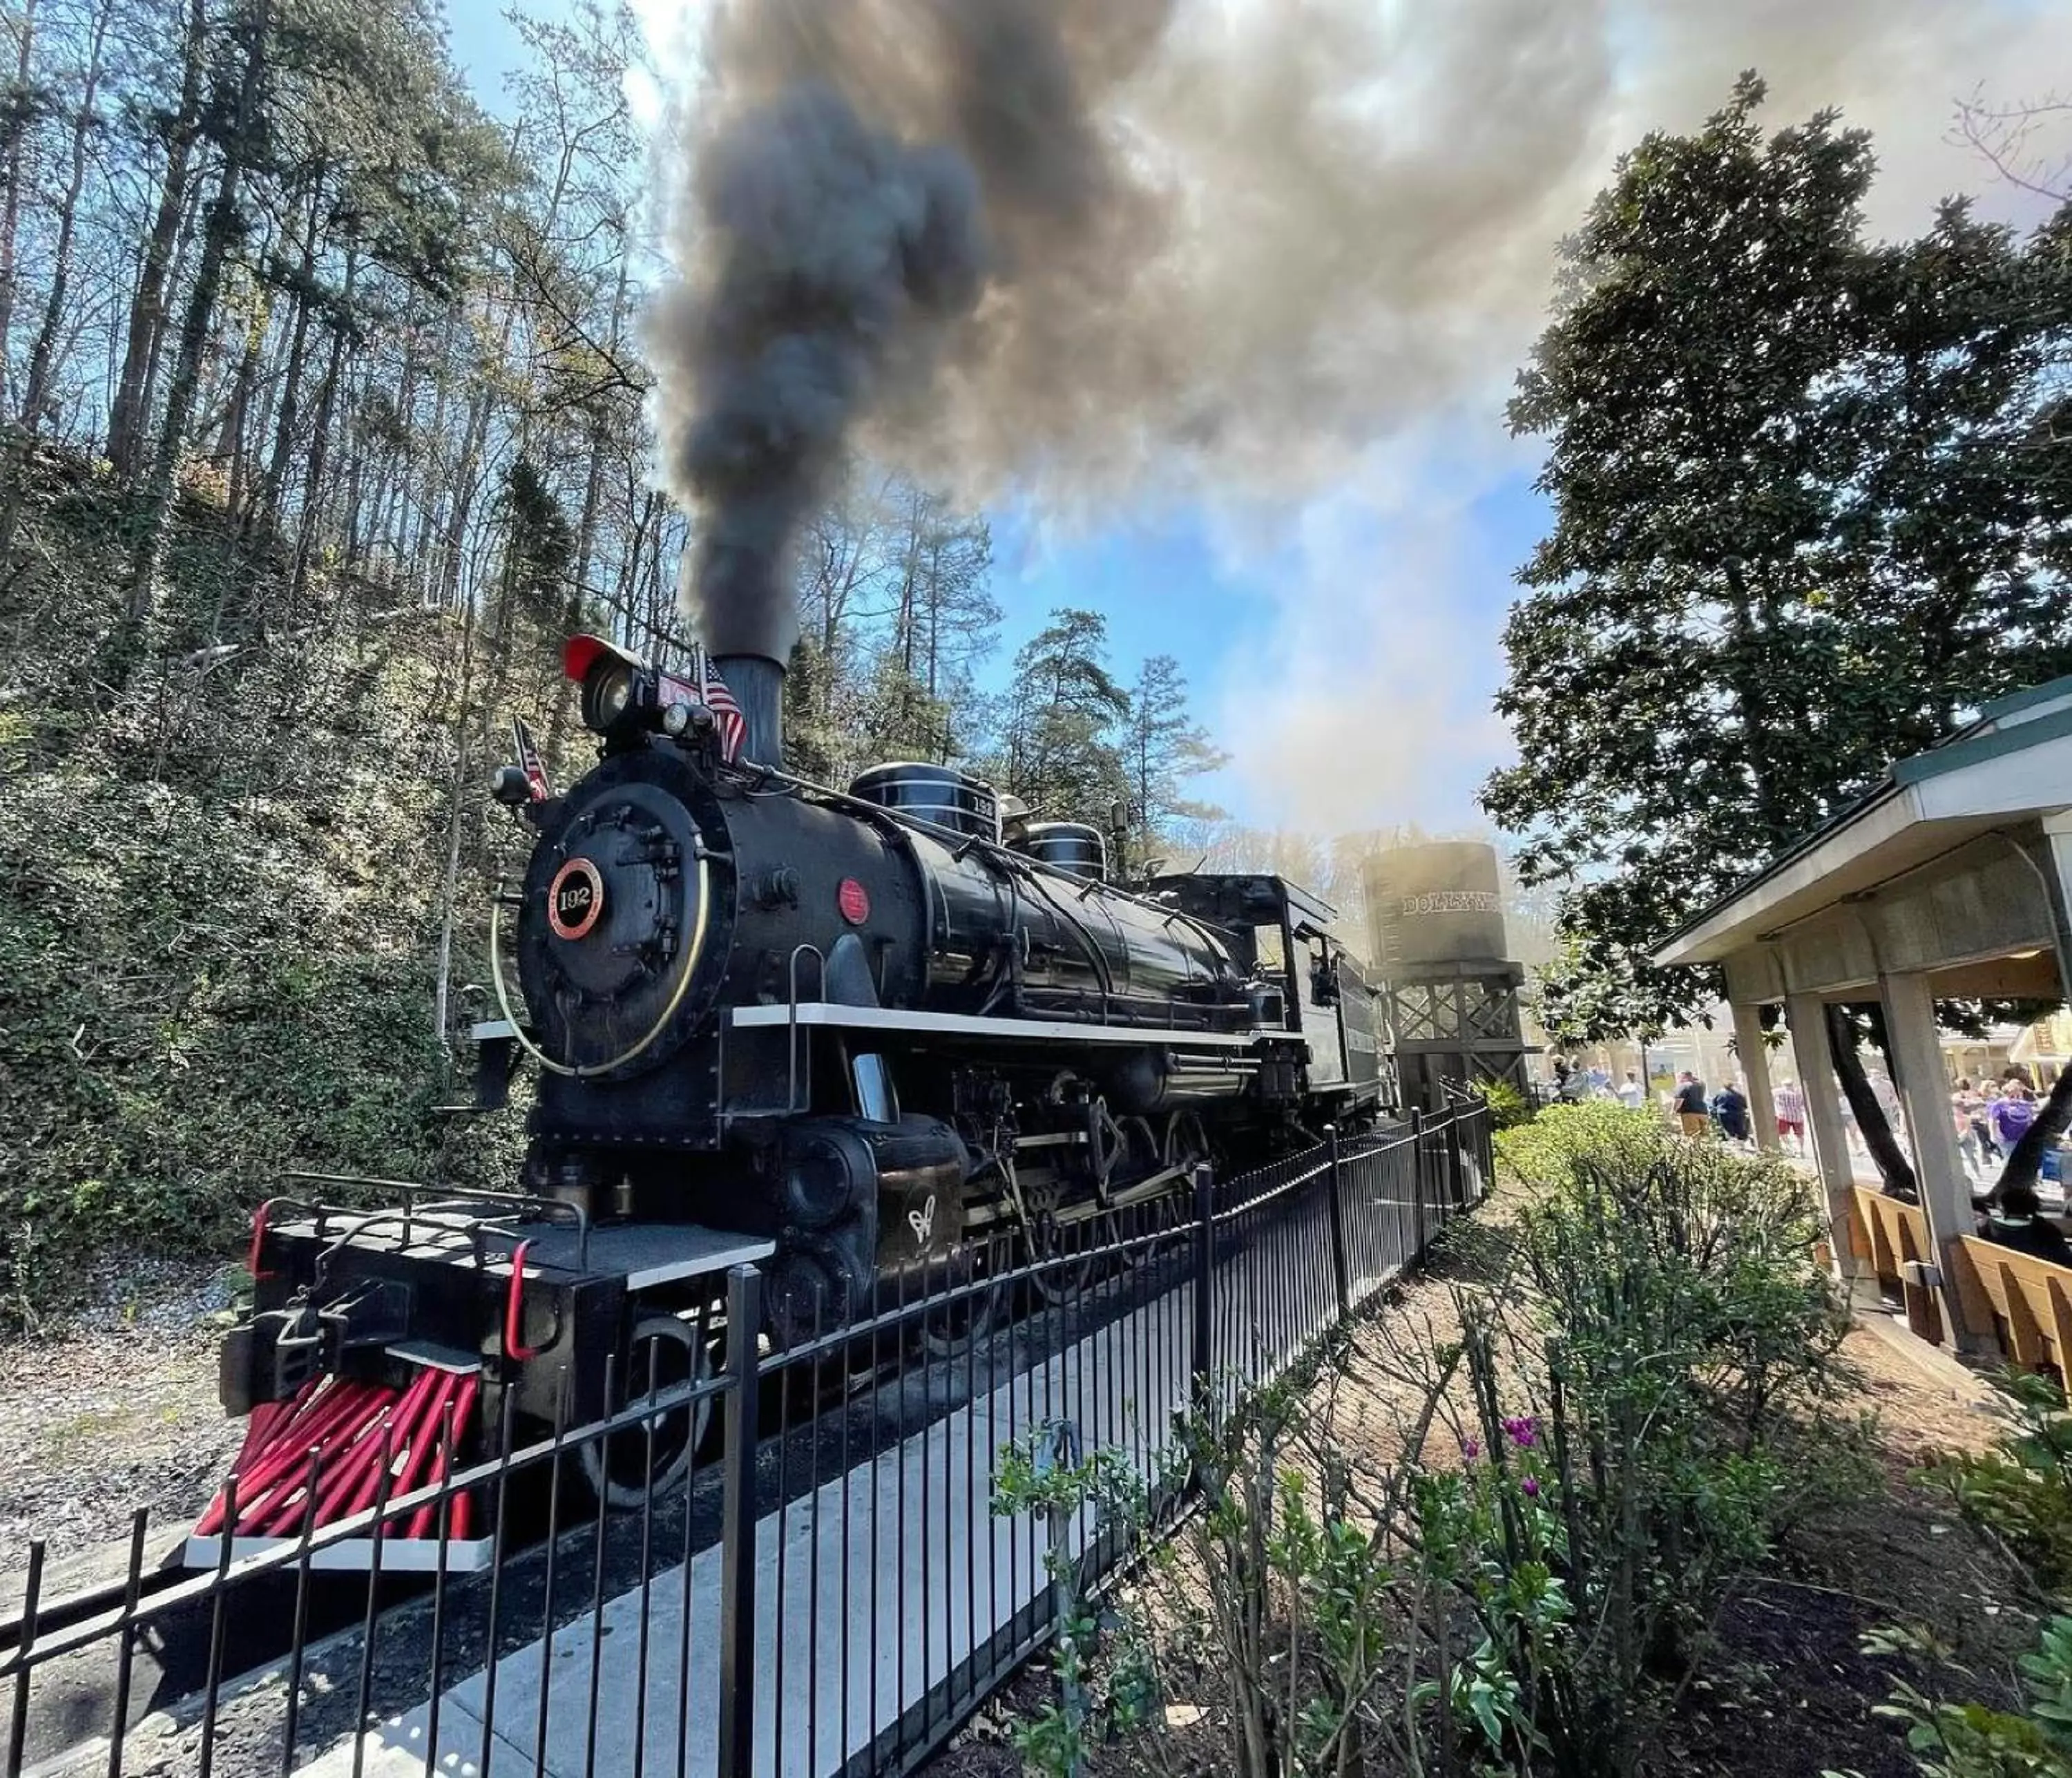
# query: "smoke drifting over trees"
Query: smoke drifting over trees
{"points": [[1228, 248], [1075, 247]]}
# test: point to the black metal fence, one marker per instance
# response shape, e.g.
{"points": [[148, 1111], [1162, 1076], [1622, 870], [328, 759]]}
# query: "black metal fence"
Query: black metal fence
{"points": [[827, 1590]]}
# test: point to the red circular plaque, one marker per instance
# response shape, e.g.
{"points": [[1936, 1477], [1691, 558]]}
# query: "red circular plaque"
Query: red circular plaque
{"points": [[575, 899], [853, 901]]}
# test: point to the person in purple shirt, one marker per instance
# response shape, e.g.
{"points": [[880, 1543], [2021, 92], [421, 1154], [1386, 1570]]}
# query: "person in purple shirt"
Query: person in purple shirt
{"points": [[2013, 1112]]}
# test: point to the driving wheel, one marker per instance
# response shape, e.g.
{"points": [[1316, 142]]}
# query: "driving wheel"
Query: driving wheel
{"points": [[666, 1353]]}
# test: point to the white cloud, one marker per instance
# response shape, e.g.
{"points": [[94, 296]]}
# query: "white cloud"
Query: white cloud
{"points": [[1368, 704]]}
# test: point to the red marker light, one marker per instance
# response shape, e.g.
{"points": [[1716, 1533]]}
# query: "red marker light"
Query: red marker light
{"points": [[853, 901], [580, 653]]}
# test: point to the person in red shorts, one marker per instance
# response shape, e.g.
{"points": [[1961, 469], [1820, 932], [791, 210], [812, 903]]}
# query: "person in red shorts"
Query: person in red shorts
{"points": [[1790, 1100]]}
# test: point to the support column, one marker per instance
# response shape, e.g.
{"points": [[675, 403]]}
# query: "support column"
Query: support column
{"points": [[1945, 1193], [2058, 831], [1806, 1016], [1755, 1070]]}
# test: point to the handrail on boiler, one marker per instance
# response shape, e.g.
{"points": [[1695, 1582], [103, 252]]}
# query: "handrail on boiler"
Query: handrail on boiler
{"points": [[791, 1100]]}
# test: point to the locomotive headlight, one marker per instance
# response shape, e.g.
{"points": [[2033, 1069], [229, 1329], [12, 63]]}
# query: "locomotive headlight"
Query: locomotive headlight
{"points": [[607, 695], [622, 694]]}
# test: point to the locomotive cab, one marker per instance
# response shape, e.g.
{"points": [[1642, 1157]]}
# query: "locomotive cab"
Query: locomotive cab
{"points": [[1303, 981]]}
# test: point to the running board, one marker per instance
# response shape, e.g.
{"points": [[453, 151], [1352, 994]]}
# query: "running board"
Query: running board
{"points": [[352, 1555]]}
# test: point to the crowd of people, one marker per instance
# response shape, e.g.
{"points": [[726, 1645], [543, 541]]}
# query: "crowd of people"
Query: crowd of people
{"points": [[1697, 1112], [1990, 1120]]}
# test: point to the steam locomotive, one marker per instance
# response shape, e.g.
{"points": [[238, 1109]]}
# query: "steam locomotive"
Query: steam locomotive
{"points": [[853, 1036]]}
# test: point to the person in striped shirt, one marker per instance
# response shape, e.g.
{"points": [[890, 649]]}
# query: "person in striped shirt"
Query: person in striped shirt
{"points": [[1790, 1100]]}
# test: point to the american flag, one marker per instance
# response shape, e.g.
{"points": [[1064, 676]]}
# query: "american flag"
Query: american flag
{"points": [[529, 761], [733, 724]]}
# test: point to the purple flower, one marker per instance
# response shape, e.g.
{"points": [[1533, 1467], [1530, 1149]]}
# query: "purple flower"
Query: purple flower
{"points": [[1523, 1432], [1530, 1487], [1470, 1449]]}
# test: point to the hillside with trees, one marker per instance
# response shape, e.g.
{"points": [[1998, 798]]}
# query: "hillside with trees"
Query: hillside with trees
{"points": [[322, 421]]}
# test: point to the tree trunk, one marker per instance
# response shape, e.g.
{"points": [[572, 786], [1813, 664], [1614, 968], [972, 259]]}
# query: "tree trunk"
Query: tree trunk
{"points": [[468, 471], [466, 474], [1892, 1165], [312, 515], [266, 507], [239, 436], [449, 887], [352, 538], [230, 441], [558, 721], [147, 308], [131, 641], [10, 212], [39, 355], [2053, 1117], [424, 494], [388, 464], [191, 228]]}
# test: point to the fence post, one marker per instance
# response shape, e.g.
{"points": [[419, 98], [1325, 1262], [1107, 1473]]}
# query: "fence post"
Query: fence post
{"points": [[737, 1568], [1338, 1226], [1418, 1145], [1205, 1261]]}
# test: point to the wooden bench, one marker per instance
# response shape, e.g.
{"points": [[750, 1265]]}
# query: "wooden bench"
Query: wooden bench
{"points": [[1890, 1233], [2028, 1300]]}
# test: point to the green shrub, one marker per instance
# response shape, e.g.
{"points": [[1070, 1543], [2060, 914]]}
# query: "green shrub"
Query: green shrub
{"points": [[1546, 1150], [1970, 1740], [1043, 1474], [1703, 1253], [1508, 1107], [2021, 1490], [1277, 1610], [1634, 1432], [218, 944], [1649, 1451]]}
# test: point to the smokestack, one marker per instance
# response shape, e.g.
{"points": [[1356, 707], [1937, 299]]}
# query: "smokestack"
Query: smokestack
{"points": [[756, 682], [748, 638]]}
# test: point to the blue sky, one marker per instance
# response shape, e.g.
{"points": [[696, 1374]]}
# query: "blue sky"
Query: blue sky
{"points": [[1168, 584], [1340, 623]]}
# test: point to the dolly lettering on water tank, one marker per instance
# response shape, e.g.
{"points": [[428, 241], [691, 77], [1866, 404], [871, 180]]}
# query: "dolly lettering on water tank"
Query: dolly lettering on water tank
{"points": [[1453, 901]]}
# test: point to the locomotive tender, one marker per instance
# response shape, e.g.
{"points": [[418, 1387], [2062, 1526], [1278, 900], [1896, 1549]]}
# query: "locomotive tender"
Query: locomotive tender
{"points": [[852, 1035]]}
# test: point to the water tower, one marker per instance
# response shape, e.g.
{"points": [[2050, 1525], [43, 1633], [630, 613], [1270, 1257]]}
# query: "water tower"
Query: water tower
{"points": [[1435, 914]]}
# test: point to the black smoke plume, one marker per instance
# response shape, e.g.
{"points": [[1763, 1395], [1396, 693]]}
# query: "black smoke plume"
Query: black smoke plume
{"points": [[876, 173]]}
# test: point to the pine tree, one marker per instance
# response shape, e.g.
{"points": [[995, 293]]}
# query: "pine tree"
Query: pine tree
{"points": [[1163, 748], [1060, 746]]}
